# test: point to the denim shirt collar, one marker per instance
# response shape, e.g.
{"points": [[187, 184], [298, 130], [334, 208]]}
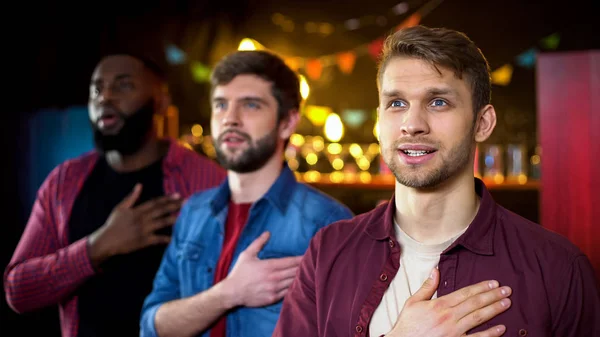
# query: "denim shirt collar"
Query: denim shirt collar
{"points": [[279, 194]]}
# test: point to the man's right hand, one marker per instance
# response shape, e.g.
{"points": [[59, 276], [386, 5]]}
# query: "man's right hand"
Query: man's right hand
{"points": [[454, 314], [254, 282], [128, 229]]}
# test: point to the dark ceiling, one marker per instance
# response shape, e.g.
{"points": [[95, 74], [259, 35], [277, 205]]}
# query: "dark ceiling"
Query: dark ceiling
{"points": [[56, 47]]}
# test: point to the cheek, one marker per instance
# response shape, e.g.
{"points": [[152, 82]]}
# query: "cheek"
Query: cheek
{"points": [[261, 125], [214, 126], [388, 132], [451, 132]]}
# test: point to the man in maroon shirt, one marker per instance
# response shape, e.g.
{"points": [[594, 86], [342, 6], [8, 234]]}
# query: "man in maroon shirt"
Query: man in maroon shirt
{"points": [[499, 274], [101, 222]]}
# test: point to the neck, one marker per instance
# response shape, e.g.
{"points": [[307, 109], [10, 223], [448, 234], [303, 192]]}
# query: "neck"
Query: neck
{"points": [[435, 215], [150, 152], [249, 187]]}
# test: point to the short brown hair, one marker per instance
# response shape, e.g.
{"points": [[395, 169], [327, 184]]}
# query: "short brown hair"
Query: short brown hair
{"points": [[442, 47], [285, 82]]}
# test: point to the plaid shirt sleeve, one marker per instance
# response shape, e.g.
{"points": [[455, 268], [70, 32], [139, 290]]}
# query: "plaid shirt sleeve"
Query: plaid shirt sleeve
{"points": [[41, 271]]}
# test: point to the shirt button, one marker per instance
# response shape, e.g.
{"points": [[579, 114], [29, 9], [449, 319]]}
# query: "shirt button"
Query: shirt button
{"points": [[445, 283], [391, 243], [359, 329], [523, 332], [383, 277]]}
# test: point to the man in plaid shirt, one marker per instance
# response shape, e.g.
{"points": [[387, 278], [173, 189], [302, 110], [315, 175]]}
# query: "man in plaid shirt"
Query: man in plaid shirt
{"points": [[101, 222]]}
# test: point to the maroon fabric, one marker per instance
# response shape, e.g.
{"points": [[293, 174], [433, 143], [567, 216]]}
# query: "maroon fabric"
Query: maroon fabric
{"points": [[351, 263], [45, 269]]}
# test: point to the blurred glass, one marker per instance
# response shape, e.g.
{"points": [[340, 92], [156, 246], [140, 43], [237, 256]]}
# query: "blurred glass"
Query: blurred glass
{"points": [[493, 163], [516, 163]]}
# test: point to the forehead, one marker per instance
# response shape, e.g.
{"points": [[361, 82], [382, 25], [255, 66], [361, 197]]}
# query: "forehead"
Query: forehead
{"points": [[414, 75], [118, 65], [244, 86]]}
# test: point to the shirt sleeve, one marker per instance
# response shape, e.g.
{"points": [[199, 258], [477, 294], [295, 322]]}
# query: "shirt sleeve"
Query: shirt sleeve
{"points": [[340, 213], [41, 272], [298, 316], [166, 283], [579, 314]]}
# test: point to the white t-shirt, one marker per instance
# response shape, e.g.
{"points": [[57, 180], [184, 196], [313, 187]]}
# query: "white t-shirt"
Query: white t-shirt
{"points": [[416, 262]]}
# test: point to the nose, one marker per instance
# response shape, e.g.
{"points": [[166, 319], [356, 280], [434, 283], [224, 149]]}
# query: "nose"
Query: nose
{"points": [[103, 95], [414, 122], [231, 116]]}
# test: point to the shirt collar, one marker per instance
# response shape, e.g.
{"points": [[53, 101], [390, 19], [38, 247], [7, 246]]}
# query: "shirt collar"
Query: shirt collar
{"points": [[279, 194], [478, 238], [174, 153]]}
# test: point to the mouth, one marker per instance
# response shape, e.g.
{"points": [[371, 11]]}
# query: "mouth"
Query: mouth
{"points": [[417, 153], [232, 139], [108, 120], [413, 154]]}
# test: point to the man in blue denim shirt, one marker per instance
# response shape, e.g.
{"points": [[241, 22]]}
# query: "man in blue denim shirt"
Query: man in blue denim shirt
{"points": [[236, 248]]}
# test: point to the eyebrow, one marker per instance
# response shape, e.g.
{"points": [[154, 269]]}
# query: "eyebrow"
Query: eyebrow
{"points": [[243, 99], [429, 91], [118, 77], [441, 92]]}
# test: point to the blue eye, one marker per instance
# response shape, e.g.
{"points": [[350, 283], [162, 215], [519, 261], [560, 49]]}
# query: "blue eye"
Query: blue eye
{"points": [[439, 102], [219, 105], [252, 105], [398, 104]]}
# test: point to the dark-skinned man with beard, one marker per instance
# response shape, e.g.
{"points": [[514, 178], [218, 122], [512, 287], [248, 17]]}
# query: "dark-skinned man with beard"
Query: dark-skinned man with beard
{"points": [[101, 222], [236, 247]]}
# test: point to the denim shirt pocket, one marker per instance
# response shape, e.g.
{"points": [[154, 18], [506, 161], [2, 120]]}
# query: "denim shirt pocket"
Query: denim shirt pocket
{"points": [[195, 271]]}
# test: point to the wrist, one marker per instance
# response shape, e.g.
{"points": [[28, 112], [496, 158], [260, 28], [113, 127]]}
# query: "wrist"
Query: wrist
{"points": [[227, 295], [97, 251]]}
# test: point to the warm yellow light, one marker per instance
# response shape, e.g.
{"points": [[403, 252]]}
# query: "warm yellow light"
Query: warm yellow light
{"points": [[334, 129], [535, 159], [364, 163], [502, 75], [297, 140], [312, 176], [365, 177], [318, 143], [250, 44], [337, 163], [312, 158], [197, 130], [334, 148], [373, 149], [498, 178], [376, 130], [336, 177], [304, 88], [317, 114], [522, 179], [355, 150]]}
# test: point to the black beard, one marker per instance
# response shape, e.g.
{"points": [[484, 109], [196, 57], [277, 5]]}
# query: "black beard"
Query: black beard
{"points": [[254, 157], [133, 134]]}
